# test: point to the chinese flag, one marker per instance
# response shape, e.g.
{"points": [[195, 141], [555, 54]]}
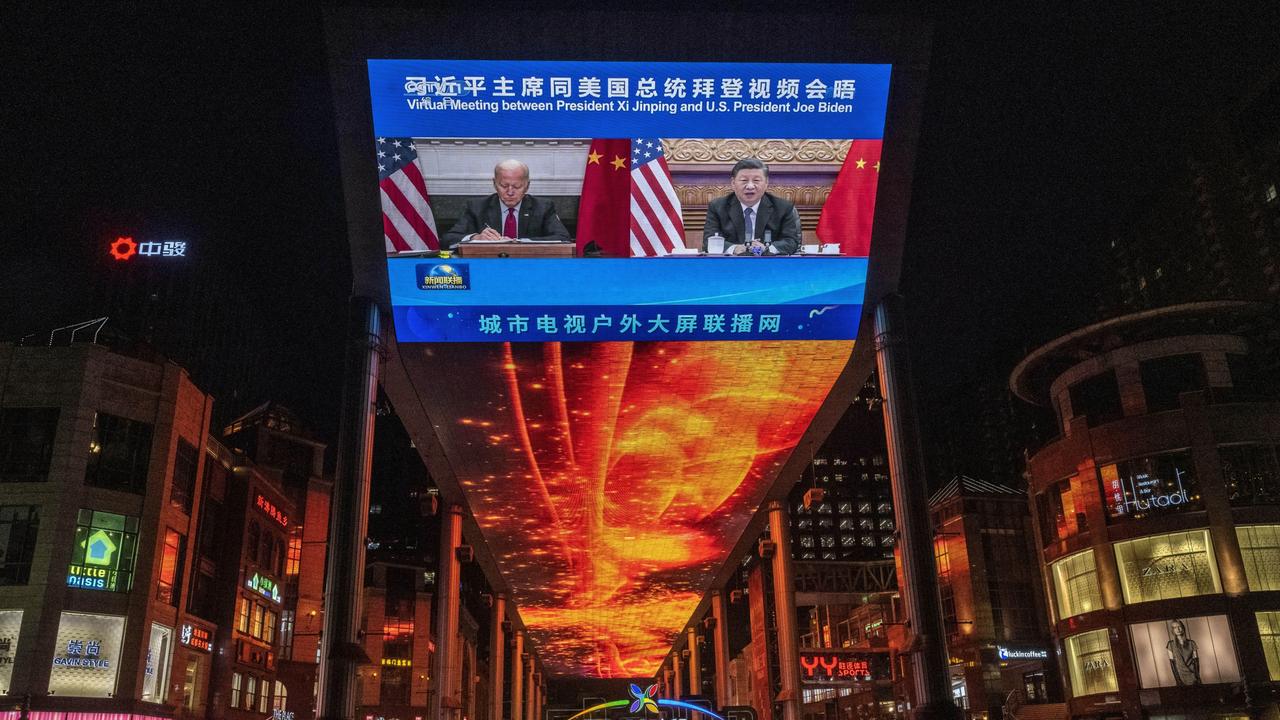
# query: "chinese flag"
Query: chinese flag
{"points": [[604, 210], [846, 216]]}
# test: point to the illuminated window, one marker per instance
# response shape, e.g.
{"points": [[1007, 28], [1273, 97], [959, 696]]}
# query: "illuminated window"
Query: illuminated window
{"points": [[235, 689], [1270, 193], [1260, 550], [294, 562], [19, 525], [806, 541], [866, 523], [1269, 631], [171, 558], [1160, 567], [1150, 486], [1056, 507], [250, 691], [269, 620], [846, 523], [26, 443], [864, 508], [242, 616], [104, 551], [848, 540], [868, 541], [264, 697], [282, 697], [255, 623], [1075, 580], [886, 540], [119, 454], [828, 541], [844, 508], [884, 508], [886, 524], [1089, 663], [185, 460], [286, 634]]}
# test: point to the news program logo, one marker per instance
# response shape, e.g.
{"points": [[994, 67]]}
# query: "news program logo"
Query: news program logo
{"points": [[444, 276]]}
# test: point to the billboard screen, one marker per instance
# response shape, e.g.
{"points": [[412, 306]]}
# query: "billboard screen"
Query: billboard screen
{"points": [[620, 331]]}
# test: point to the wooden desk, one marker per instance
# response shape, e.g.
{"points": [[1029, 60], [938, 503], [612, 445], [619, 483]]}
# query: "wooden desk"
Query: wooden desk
{"points": [[515, 250]]}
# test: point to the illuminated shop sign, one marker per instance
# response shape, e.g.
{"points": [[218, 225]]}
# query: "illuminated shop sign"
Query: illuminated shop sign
{"points": [[196, 637], [264, 586], [271, 510], [1137, 488], [86, 655], [104, 551], [124, 249], [10, 627], [838, 667], [1007, 653], [396, 662]]}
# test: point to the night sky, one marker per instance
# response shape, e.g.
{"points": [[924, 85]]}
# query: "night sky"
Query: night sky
{"points": [[1042, 122]]}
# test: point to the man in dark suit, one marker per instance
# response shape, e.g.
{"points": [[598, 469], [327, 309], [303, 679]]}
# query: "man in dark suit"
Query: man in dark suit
{"points": [[509, 213], [750, 215]]}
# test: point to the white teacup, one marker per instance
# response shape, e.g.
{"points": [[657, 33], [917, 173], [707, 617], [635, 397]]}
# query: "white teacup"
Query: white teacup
{"points": [[715, 244]]}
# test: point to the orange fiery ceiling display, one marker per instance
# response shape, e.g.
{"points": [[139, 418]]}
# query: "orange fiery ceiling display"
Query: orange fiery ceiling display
{"points": [[612, 479]]}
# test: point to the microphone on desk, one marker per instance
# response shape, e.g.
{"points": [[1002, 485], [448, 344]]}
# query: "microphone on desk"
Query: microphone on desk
{"points": [[768, 240]]}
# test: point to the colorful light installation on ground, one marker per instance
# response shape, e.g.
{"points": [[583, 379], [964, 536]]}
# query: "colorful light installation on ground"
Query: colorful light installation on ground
{"points": [[611, 479]]}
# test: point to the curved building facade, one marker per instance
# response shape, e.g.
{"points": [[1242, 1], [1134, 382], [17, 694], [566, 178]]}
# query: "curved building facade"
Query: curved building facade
{"points": [[1157, 513]]}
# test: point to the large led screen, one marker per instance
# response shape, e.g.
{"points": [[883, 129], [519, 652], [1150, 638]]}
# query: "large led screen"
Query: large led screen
{"points": [[622, 291]]}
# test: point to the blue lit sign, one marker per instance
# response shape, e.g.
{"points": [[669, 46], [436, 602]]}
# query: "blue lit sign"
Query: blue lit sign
{"points": [[595, 299], [560, 99]]}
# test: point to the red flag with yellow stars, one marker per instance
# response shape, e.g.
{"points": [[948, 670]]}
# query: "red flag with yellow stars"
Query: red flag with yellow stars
{"points": [[604, 210], [846, 216]]}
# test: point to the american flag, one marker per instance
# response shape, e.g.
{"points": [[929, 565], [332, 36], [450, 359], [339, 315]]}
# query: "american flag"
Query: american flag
{"points": [[407, 222], [656, 228]]}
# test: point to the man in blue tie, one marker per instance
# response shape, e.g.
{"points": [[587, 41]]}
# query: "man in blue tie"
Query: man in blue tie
{"points": [[509, 213], [751, 220]]}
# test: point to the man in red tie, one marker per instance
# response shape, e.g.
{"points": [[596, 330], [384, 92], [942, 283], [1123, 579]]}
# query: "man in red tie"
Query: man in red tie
{"points": [[508, 214]]}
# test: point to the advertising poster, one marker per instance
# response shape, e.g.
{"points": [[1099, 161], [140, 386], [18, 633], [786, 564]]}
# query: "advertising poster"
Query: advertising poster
{"points": [[10, 628], [86, 655], [1185, 651]]}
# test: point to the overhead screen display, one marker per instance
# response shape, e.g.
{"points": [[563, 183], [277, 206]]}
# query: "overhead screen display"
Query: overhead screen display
{"points": [[652, 273]]}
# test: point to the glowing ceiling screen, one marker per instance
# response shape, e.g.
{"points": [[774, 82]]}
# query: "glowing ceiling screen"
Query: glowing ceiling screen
{"points": [[612, 479]]}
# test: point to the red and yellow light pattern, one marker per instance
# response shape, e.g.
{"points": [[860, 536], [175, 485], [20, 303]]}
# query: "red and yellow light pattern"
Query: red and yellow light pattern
{"points": [[611, 480]]}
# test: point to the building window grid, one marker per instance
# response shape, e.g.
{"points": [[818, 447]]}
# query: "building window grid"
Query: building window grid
{"points": [[1251, 473], [1162, 567], [1089, 663], [1076, 584], [1260, 551], [26, 443], [171, 560], [236, 681], [19, 528], [119, 454], [1269, 633], [185, 460]]}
